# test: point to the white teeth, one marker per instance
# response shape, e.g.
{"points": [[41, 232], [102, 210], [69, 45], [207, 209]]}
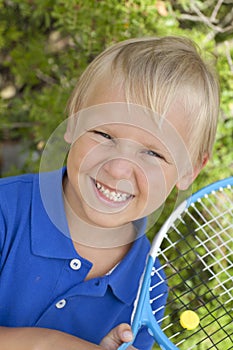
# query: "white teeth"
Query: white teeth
{"points": [[98, 185], [112, 195]]}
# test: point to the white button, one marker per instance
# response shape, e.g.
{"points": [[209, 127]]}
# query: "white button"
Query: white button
{"points": [[60, 304], [75, 264]]}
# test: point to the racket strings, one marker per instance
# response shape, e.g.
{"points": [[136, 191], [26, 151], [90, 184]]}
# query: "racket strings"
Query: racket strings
{"points": [[183, 281], [219, 202], [219, 243], [208, 224], [222, 263], [187, 252], [211, 312], [196, 256], [197, 296]]}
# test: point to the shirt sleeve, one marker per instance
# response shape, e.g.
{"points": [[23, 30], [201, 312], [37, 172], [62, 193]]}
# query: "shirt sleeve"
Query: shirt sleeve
{"points": [[158, 298], [2, 225]]}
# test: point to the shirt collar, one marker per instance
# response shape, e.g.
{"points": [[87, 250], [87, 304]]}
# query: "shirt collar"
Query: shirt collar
{"points": [[49, 227], [124, 280]]}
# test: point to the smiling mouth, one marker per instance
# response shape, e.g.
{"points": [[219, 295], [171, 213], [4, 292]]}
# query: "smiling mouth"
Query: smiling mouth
{"points": [[112, 195]]}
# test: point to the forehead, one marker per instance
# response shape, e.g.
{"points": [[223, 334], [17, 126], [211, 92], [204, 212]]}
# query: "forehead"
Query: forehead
{"points": [[105, 89], [126, 114], [129, 114], [108, 91]]}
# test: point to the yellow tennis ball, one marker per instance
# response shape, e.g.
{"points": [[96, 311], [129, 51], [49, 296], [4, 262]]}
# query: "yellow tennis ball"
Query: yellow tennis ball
{"points": [[189, 320]]}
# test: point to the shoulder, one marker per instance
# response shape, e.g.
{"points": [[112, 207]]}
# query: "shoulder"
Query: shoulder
{"points": [[15, 203], [16, 181], [16, 192], [16, 187]]}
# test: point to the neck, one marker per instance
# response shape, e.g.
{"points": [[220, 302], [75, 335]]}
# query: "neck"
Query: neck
{"points": [[87, 234], [104, 247], [103, 260]]}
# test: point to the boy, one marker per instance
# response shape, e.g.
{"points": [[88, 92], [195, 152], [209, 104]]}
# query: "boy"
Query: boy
{"points": [[142, 119]]}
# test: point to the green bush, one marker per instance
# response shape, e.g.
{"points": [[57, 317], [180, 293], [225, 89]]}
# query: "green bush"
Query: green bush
{"points": [[46, 44]]}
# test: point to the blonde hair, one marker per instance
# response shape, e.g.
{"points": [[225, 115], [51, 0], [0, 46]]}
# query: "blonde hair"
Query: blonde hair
{"points": [[155, 72]]}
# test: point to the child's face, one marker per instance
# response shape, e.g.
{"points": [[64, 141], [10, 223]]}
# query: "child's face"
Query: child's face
{"points": [[122, 165]]}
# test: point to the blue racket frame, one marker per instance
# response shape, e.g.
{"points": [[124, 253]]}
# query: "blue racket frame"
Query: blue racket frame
{"points": [[143, 315]]}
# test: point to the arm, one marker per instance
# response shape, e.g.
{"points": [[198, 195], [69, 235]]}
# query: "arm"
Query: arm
{"points": [[47, 339], [41, 339]]}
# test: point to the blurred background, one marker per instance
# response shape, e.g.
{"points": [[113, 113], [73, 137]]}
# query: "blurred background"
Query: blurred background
{"points": [[46, 44]]}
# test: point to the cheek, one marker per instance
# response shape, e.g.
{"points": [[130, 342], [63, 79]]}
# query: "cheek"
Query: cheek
{"points": [[79, 158], [156, 187], [157, 190]]}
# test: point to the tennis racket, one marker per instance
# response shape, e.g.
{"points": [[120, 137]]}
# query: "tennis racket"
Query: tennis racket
{"points": [[195, 249]]}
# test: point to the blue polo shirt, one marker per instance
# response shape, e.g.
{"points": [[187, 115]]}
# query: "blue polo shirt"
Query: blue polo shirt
{"points": [[42, 277]]}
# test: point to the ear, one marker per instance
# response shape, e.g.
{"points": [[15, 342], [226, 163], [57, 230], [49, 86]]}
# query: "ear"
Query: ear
{"points": [[68, 137], [186, 180], [70, 125]]}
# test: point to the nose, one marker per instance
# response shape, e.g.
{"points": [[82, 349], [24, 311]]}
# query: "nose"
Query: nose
{"points": [[119, 168]]}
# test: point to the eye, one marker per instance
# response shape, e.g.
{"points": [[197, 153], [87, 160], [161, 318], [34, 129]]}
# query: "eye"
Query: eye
{"points": [[155, 154], [103, 134]]}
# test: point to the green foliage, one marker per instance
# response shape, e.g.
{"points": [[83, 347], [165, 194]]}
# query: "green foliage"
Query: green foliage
{"points": [[46, 44]]}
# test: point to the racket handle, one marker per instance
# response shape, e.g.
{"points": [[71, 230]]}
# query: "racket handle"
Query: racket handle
{"points": [[124, 346]]}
